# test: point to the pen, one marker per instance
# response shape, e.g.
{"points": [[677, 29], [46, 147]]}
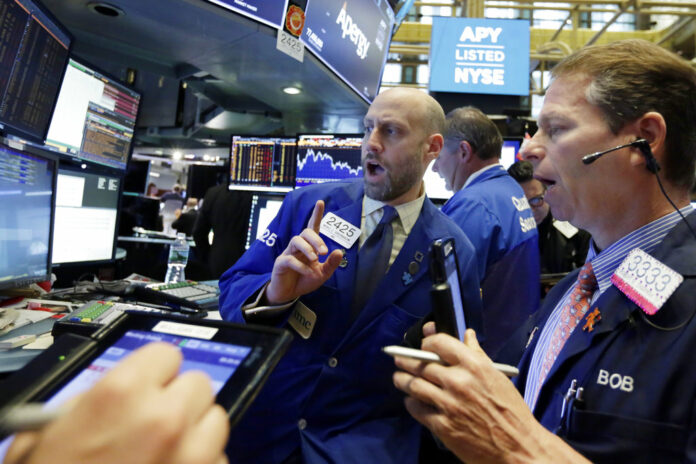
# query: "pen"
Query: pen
{"points": [[29, 416]]}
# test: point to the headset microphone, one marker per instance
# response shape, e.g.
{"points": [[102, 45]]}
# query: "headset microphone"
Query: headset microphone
{"points": [[650, 164], [642, 144]]}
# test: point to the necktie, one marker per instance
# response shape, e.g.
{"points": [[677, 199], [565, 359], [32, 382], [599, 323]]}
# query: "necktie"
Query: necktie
{"points": [[572, 312], [373, 260]]}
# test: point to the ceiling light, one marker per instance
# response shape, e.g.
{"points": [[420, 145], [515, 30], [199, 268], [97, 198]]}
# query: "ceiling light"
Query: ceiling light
{"points": [[292, 90], [105, 9]]}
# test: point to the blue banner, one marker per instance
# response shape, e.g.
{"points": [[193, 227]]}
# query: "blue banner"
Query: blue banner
{"points": [[470, 55]]}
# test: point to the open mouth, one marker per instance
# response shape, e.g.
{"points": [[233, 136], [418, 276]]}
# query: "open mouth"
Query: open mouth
{"points": [[373, 168]]}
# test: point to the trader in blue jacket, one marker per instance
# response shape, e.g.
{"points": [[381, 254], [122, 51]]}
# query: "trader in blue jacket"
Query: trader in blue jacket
{"points": [[493, 212], [608, 374], [331, 398]]}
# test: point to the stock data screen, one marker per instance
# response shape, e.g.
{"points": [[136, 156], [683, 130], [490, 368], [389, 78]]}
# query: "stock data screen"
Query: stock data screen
{"points": [[94, 119], [327, 158], [34, 49], [263, 163]]}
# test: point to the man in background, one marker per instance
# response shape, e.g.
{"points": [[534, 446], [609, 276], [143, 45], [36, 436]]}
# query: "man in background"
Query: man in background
{"points": [[226, 213], [491, 209], [562, 246]]}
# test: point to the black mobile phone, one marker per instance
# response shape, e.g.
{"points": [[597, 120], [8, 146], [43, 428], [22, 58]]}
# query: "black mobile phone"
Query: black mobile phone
{"points": [[445, 294]]}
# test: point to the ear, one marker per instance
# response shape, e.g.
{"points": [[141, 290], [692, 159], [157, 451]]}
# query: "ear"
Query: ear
{"points": [[651, 127], [466, 151], [434, 145]]}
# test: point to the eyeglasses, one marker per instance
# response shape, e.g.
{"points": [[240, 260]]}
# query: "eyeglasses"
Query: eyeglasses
{"points": [[537, 201]]}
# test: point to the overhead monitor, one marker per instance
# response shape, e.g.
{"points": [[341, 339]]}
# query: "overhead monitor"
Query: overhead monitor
{"points": [[94, 118], [135, 180], [27, 184], [352, 39], [34, 49], [510, 152], [270, 12], [327, 158], [84, 229], [262, 163], [264, 207]]}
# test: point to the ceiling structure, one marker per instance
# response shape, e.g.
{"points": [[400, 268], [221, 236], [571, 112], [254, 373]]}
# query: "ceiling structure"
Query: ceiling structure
{"points": [[207, 73]]}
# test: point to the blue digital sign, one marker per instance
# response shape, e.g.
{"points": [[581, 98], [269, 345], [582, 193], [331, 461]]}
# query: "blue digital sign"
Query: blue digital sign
{"points": [[480, 56], [352, 38], [271, 12]]}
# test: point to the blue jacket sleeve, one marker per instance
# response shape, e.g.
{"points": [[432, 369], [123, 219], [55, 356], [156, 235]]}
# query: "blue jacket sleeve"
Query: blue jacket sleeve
{"points": [[253, 269]]}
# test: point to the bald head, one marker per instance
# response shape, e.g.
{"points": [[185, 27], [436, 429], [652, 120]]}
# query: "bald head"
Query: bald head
{"points": [[422, 110]]}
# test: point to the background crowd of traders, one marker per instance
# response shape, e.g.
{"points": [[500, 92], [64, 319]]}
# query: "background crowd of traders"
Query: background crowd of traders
{"points": [[601, 376]]}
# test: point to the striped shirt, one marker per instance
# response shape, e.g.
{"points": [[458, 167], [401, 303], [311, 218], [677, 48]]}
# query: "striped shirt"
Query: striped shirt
{"points": [[604, 264]]}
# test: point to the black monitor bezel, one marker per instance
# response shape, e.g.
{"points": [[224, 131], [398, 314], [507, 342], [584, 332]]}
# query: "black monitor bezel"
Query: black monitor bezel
{"points": [[89, 169], [50, 157], [8, 130], [77, 158]]}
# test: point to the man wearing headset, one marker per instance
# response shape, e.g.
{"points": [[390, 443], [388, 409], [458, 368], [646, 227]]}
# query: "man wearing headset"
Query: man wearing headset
{"points": [[608, 373]]}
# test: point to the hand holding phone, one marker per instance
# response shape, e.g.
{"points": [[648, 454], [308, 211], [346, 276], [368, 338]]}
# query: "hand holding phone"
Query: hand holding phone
{"points": [[429, 356]]}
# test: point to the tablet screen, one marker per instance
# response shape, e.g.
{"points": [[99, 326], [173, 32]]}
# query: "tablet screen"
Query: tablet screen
{"points": [[218, 360]]}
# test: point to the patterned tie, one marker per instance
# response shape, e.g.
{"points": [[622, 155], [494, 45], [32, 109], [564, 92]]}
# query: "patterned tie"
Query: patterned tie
{"points": [[373, 260], [572, 312]]}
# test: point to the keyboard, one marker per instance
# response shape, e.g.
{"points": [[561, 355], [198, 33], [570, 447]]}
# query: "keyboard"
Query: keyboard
{"points": [[93, 315], [206, 296]]}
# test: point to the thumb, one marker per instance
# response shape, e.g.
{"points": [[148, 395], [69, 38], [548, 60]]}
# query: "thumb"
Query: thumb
{"points": [[471, 341], [329, 266]]}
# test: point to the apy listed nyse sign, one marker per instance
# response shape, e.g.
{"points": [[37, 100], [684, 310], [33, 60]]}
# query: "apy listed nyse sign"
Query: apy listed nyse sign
{"points": [[480, 56]]}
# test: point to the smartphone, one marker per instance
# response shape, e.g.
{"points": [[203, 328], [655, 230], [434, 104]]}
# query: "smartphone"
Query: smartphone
{"points": [[445, 294]]}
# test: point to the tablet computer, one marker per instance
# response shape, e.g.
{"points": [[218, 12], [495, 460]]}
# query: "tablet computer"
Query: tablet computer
{"points": [[238, 359]]}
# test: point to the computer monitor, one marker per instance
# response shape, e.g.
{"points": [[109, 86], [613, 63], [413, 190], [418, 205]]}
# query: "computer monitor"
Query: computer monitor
{"points": [[34, 51], [95, 117], [264, 207], [328, 158], [27, 186], [511, 148], [84, 229], [135, 180], [435, 186], [138, 210], [203, 176], [262, 163]]}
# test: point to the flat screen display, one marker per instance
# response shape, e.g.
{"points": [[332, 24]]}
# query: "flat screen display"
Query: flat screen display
{"points": [[95, 117], [328, 158], [264, 208], [34, 49], [352, 39], [85, 225], [271, 12], [26, 205], [263, 163], [510, 152]]}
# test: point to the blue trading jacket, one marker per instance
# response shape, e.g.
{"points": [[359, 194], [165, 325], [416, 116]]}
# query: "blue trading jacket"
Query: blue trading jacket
{"points": [[331, 397], [494, 214]]}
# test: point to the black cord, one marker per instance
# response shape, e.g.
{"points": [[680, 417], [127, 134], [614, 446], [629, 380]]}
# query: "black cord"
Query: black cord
{"points": [[659, 182]]}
